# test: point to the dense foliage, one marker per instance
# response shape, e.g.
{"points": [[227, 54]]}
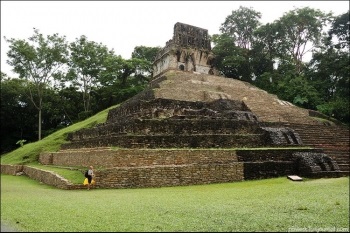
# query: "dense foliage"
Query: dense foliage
{"points": [[272, 56]]}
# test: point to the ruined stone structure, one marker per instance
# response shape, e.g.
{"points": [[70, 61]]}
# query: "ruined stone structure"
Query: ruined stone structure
{"points": [[188, 50], [198, 128]]}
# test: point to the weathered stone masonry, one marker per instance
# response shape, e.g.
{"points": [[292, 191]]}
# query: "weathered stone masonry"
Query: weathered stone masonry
{"points": [[188, 50]]}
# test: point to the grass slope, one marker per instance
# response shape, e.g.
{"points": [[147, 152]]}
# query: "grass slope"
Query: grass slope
{"points": [[30, 152]]}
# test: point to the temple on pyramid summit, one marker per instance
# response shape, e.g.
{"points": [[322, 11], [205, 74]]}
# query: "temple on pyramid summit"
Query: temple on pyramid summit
{"points": [[188, 50]]}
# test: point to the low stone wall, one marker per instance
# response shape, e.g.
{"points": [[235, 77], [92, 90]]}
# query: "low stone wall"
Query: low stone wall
{"points": [[268, 169], [11, 169], [161, 176], [261, 155], [46, 177], [46, 158]]}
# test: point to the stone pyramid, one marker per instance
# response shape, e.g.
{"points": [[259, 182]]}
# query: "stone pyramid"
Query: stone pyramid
{"points": [[191, 110], [191, 126]]}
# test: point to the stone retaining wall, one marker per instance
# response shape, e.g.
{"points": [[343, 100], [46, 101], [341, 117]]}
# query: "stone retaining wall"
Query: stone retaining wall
{"points": [[125, 168], [46, 177], [172, 141], [161, 176], [109, 158], [11, 169]]}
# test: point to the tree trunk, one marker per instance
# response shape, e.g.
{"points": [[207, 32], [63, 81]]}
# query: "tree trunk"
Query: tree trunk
{"points": [[39, 125]]}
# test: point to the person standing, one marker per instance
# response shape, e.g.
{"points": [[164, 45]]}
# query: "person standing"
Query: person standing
{"points": [[90, 175]]}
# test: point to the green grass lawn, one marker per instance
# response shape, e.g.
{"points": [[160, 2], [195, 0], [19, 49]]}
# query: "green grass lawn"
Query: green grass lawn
{"points": [[275, 204]]}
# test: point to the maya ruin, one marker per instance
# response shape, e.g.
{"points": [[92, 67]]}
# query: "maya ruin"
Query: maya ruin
{"points": [[191, 126]]}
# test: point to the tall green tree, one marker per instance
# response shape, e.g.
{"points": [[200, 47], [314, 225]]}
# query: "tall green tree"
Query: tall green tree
{"points": [[145, 53], [299, 32], [240, 25], [87, 61], [38, 60], [225, 55], [148, 55], [264, 49], [340, 30], [329, 70]]}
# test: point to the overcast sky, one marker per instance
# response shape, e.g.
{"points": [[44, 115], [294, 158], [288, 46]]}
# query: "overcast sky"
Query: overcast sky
{"points": [[122, 25]]}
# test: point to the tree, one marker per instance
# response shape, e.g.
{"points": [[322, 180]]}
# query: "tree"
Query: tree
{"points": [[121, 79], [16, 121], [145, 53], [148, 55], [70, 105], [240, 25], [231, 60], [300, 31], [86, 64], [298, 90], [329, 70], [223, 48], [340, 29], [264, 52], [38, 60]]}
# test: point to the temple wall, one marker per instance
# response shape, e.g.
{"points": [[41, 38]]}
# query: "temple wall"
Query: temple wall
{"points": [[188, 50], [166, 62]]}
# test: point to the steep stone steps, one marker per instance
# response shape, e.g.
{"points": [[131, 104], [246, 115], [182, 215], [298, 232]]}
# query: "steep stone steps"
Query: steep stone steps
{"points": [[201, 87], [333, 140]]}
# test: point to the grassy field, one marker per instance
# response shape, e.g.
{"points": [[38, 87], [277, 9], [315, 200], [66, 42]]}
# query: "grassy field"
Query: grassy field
{"points": [[275, 204]]}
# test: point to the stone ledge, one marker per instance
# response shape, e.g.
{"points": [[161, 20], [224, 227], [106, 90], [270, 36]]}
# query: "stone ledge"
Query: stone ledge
{"points": [[46, 177]]}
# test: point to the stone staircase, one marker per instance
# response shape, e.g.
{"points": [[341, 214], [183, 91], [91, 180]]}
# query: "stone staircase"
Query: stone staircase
{"points": [[333, 140], [202, 87]]}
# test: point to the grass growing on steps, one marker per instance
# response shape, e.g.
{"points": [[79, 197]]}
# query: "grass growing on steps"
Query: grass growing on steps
{"points": [[74, 174]]}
